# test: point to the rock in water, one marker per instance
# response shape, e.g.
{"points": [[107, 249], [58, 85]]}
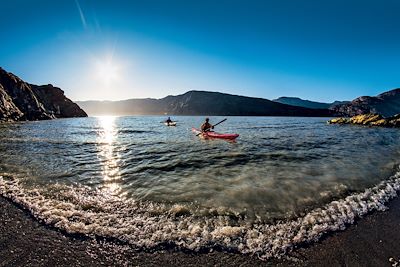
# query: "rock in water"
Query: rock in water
{"points": [[395, 120], [369, 119], [365, 119], [381, 122], [22, 101], [339, 121]]}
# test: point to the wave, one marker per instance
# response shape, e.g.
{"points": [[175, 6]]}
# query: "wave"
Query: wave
{"points": [[148, 225], [94, 131], [125, 131]]}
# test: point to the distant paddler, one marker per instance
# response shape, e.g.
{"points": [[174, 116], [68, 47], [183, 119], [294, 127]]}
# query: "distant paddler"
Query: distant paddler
{"points": [[169, 122]]}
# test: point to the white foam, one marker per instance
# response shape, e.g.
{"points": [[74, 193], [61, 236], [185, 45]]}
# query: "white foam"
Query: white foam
{"points": [[148, 225]]}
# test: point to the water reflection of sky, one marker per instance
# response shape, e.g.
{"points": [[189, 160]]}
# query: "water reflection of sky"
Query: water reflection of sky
{"points": [[107, 135]]}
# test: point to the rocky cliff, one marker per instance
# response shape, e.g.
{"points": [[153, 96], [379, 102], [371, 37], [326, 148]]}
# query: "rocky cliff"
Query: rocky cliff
{"points": [[22, 101], [54, 100], [200, 103], [387, 104]]}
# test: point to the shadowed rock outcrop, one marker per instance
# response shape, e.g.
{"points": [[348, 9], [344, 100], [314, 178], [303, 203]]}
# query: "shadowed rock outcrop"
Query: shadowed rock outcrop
{"points": [[23, 97], [8, 110], [22, 101], [387, 104], [54, 101]]}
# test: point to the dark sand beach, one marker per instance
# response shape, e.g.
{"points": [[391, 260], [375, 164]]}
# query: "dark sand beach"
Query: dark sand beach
{"points": [[24, 241]]}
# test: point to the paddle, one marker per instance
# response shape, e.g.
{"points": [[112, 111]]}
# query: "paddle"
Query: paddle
{"points": [[212, 127]]}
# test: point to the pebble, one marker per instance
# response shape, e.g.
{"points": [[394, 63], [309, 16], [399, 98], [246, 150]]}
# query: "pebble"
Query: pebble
{"points": [[394, 262]]}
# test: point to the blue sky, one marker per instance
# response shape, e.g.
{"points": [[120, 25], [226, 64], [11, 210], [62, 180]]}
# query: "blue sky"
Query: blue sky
{"points": [[97, 49]]}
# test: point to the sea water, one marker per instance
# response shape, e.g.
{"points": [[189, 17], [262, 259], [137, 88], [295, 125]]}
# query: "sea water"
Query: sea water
{"points": [[284, 181]]}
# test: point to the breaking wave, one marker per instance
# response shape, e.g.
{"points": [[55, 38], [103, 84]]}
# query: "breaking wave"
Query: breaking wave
{"points": [[149, 225]]}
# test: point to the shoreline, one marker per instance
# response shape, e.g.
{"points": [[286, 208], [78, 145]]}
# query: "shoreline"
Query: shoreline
{"points": [[24, 241]]}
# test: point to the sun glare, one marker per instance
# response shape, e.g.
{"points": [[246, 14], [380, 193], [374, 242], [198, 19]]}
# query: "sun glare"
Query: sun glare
{"points": [[107, 71]]}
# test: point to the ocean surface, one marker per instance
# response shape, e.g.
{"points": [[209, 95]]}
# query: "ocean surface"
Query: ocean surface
{"points": [[285, 181]]}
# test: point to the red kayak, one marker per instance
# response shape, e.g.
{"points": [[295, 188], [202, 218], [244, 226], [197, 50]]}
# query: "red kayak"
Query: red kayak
{"points": [[211, 134]]}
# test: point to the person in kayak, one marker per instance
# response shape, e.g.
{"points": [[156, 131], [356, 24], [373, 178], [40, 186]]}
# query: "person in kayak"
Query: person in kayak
{"points": [[168, 121], [206, 126]]}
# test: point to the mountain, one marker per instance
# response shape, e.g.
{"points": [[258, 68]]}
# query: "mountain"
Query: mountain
{"points": [[23, 101], [295, 101], [199, 103], [386, 104]]}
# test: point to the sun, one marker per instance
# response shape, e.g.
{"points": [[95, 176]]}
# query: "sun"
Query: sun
{"points": [[107, 71]]}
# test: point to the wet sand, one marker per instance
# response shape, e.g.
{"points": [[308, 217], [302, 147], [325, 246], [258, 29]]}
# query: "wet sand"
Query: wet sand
{"points": [[24, 241]]}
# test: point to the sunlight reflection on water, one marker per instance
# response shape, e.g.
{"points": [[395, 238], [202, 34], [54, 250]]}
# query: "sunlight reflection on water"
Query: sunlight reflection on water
{"points": [[107, 135]]}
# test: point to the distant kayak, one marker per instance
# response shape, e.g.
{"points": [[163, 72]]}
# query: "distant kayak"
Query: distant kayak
{"points": [[212, 134], [170, 123]]}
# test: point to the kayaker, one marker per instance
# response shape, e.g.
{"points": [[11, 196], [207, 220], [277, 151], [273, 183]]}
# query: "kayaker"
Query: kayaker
{"points": [[206, 126], [168, 121]]}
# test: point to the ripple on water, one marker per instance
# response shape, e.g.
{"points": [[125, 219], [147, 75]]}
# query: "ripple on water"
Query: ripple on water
{"points": [[286, 180]]}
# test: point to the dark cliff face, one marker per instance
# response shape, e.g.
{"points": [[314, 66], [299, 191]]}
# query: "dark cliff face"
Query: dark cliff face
{"points": [[54, 101], [8, 110], [22, 101], [23, 97], [200, 103], [387, 104]]}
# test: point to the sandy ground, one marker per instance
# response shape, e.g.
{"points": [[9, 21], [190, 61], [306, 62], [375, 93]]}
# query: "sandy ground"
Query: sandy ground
{"points": [[372, 241]]}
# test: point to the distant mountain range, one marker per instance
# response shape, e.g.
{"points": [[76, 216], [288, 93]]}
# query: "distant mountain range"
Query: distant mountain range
{"points": [[295, 101], [200, 103], [213, 103], [20, 100]]}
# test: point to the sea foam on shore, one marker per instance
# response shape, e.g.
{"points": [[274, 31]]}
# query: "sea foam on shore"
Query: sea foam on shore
{"points": [[147, 225]]}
